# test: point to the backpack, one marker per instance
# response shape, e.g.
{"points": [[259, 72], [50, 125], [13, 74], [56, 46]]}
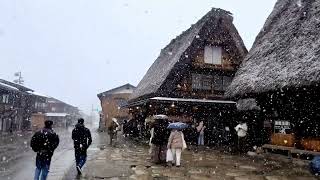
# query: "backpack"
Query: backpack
{"points": [[36, 141]]}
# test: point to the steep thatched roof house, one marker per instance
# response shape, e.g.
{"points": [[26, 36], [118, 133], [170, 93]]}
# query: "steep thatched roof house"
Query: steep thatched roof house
{"points": [[286, 53], [193, 71], [282, 70], [177, 58]]}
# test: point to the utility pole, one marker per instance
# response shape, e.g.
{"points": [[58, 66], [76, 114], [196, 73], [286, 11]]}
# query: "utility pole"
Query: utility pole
{"points": [[19, 77]]}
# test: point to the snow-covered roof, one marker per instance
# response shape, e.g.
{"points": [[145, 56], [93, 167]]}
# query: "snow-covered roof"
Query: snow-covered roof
{"points": [[8, 87], [56, 114], [19, 86], [285, 54], [192, 100], [37, 94], [248, 105], [173, 58], [125, 89]]}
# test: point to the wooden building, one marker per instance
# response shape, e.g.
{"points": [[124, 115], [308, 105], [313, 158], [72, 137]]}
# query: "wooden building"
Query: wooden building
{"points": [[56, 109], [37, 121], [188, 80], [25, 102], [112, 103], [21, 108], [60, 120], [8, 107], [282, 72]]}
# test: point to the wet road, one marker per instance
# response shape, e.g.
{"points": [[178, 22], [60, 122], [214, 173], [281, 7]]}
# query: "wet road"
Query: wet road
{"points": [[128, 160], [131, 161], [18, 159], [99, 144]]}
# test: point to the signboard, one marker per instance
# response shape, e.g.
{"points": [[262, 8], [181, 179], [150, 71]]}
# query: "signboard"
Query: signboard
{"points": [[282, 126]]}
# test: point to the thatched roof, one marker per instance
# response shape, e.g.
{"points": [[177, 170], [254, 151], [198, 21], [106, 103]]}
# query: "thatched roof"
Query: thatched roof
{"points": [[173, 55], [248, 105], [285, 54]]}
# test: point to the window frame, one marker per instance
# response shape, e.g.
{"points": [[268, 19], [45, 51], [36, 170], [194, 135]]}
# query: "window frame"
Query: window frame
{"points": [[201, 82], [210, 57]]}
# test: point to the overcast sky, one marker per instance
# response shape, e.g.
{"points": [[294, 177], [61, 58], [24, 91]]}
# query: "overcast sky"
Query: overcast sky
{"points": [[74, 49]]}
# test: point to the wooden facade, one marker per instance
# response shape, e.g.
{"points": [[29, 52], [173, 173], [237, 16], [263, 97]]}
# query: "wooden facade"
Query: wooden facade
{"points": [[37, 121], [112, 103], [8, 108], [300, 109]]}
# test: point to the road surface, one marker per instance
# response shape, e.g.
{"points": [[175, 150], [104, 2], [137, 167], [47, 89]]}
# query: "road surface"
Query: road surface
{"points": [[18, 160]]}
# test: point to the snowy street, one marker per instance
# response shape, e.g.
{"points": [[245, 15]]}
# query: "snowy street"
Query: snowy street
{"points": [[18, 159], [130, 161]]}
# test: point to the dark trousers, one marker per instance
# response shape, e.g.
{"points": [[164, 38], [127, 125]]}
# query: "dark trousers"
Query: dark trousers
{"points": [[242, 144], [113, 136], [81, 158], [42, 168], [159, 153]]}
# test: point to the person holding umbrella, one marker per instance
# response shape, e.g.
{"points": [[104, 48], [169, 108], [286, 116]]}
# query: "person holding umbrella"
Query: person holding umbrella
{"points": [[159, 139], [176, 142]]}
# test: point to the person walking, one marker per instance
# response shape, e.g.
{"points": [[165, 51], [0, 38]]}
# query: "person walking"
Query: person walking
{"points": [[175, 145], [113, 129], [159, 139], [44, 142], [200, 130], [241, 130], [81, 137]]}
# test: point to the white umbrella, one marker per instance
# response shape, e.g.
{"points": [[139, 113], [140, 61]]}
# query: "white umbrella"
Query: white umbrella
{"points": [[160, 116]]}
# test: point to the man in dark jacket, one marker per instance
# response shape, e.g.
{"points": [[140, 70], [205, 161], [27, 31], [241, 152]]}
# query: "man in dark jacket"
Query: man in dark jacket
{"points": [[82, 140], [44, 142], [160, 141]]}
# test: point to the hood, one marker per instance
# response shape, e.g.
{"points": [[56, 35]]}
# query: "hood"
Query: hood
{"points": [[79, 125]]}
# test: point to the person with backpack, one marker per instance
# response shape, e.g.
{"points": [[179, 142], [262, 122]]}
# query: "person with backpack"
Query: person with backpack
{"points": [[44, 142], [82, 140]]}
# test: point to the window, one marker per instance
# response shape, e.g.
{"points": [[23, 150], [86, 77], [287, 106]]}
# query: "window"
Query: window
{"points": [[196, 81], [226, 81], [201, 82], [121, 102], [212, 55], [207, 82], [218, 83], [5, 98]]}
